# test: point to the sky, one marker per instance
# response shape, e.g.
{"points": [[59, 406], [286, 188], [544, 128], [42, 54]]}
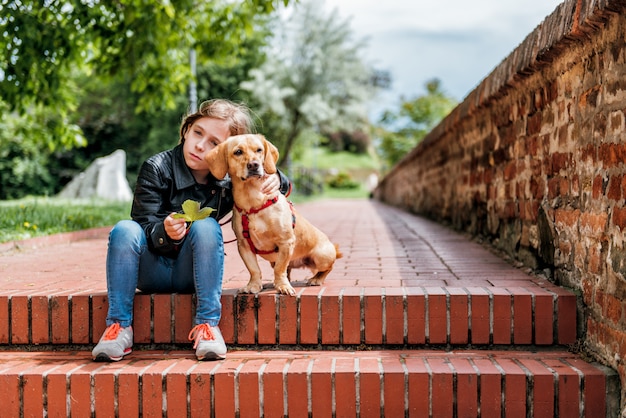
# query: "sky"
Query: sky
{"points": [[457, 41]]}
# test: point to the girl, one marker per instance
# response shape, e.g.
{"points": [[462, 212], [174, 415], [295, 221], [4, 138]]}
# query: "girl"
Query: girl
{"points": [[155, 253]]}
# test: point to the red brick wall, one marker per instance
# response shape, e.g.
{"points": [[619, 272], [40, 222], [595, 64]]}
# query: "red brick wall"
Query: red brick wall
{"points": [[534, 159]]}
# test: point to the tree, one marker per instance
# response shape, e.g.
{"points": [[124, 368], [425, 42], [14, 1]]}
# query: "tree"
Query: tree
{"points": [[44, 44], [406, 127], [314, 78]]}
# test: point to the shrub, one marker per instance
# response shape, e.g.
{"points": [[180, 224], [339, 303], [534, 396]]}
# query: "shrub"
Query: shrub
{"points": [[343, 180]]}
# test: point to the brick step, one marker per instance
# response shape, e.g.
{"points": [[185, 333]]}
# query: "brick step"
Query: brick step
{"points": [[413, 316], [304, 383]]}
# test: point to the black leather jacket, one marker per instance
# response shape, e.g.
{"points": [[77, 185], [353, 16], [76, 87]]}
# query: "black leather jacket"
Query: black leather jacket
{"points": [[164, 183]]}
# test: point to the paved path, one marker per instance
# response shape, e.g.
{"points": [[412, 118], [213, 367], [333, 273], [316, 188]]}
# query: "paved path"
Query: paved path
{"points": [[383, 247]]}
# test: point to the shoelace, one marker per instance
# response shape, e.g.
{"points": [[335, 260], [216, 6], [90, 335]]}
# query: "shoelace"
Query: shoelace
{"points": [[112, 331], [200, 332]]}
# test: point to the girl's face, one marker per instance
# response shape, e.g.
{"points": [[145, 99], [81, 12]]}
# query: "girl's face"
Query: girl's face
{"points": [[204, 135]]}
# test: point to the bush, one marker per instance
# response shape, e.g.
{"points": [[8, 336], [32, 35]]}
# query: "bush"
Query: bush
{"points": [[307, 182], [343, 180]]}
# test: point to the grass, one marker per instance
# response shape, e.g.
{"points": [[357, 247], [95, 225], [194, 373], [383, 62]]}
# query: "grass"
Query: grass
{"points": [[324, 159], [39, 216]]}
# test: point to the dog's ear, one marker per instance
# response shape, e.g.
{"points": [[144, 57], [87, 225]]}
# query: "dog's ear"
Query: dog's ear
{"points": [[218, 163], [270, 157]]}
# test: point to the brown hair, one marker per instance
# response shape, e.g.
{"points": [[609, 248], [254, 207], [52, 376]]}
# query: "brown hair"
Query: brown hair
{"points": [[237, 115]]}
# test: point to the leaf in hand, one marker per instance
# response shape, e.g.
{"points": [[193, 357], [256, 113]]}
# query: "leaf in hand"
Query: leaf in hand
{"points": [[192, 212]]}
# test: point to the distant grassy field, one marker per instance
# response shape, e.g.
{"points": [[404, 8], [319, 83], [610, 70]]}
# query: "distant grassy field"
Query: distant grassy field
{"points": [[323, 159]]}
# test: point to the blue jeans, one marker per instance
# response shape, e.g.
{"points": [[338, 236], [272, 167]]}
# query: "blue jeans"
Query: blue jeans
{"points": [[199, 268]]}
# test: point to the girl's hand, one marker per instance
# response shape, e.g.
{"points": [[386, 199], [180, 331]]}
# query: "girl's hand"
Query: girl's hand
{"points": [[176, 229], [271, 185]]}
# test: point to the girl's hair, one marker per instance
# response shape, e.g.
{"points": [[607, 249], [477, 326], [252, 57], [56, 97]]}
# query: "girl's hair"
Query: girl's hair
{"points": [[237, 115]]}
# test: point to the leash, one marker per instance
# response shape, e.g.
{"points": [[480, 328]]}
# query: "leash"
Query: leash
{"points": [[226, 222]]}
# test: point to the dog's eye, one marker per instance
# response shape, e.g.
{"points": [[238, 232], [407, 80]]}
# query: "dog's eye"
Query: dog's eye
{"points": [[259, 150], [238, 152]]}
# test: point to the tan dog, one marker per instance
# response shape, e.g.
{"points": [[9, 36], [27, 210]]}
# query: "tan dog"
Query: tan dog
{"points": [[268, 225]]}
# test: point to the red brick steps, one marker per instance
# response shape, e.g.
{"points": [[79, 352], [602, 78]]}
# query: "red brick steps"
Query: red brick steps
{"points": [[474, 316], [300, 383], [414, 320]]}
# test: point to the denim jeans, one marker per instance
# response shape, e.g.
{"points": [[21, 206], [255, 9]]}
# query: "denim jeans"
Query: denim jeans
{"points": [[199, 268]]}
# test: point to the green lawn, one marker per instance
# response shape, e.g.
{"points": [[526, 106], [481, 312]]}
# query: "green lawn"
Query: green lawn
{"points": [[37, 216], [324, 159]]}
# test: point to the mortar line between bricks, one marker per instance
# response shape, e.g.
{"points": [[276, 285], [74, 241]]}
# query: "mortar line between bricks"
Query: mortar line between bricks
{"points": [[555, 383], [502, 384], [309, 387], [333, 387], [448, 315], [319, 315], [260, 377], [455, 388], [236, 377], [164, 374], [530, 388], [429, 371], [533, 317], [582, 382], [405, 371], [340, 325], [286, 387], [381, 385], [555, 317], [426, 316], [491, 314], [357, 386], [478, 381], [383, 306], [212, 386], [468, 295]]}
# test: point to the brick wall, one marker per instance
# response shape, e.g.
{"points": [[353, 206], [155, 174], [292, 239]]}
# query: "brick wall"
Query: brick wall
{"points": [[534, 159]]}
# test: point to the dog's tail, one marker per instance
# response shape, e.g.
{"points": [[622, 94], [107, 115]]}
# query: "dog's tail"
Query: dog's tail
{"points": [[337, 252]]}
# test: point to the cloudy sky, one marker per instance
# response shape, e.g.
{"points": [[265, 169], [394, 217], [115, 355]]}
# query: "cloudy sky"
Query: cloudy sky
{"points": [[458, 41]]}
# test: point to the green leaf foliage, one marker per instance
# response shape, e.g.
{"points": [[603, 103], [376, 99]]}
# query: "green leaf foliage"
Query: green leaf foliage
{"points": [[146, 41], [404, 128], [192, 212]]}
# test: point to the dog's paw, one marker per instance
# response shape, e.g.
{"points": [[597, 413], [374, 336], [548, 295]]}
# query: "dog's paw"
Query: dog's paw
{"points": [[286, 289], [251, 288], [315, 282]]}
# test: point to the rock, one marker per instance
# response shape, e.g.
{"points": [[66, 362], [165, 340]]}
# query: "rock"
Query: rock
{"points": [[105, 178]]}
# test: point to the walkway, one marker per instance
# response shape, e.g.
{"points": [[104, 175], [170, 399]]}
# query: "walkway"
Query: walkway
{"points": [[382, 247]]}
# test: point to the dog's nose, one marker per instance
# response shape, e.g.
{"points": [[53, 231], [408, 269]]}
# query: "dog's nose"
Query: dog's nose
{"points": [[253, 165]]}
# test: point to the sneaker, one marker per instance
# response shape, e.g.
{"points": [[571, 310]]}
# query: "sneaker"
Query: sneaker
{"points": [[208, 342], [114, 344]]}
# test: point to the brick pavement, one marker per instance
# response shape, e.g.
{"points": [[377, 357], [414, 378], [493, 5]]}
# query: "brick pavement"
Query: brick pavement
{"points": [[382, 247]]}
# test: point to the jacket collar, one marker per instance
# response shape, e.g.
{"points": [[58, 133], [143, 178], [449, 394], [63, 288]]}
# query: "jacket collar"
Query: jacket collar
{"points": [[182, 175]]}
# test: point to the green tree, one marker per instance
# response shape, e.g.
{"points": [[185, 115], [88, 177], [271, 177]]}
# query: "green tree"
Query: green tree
{"points": [[44, 44], [403, 129], [314, 78], [76, 73], [109, 122]]}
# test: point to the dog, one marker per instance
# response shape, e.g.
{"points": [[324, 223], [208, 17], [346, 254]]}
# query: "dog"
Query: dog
{"points": [[268, 225]]}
